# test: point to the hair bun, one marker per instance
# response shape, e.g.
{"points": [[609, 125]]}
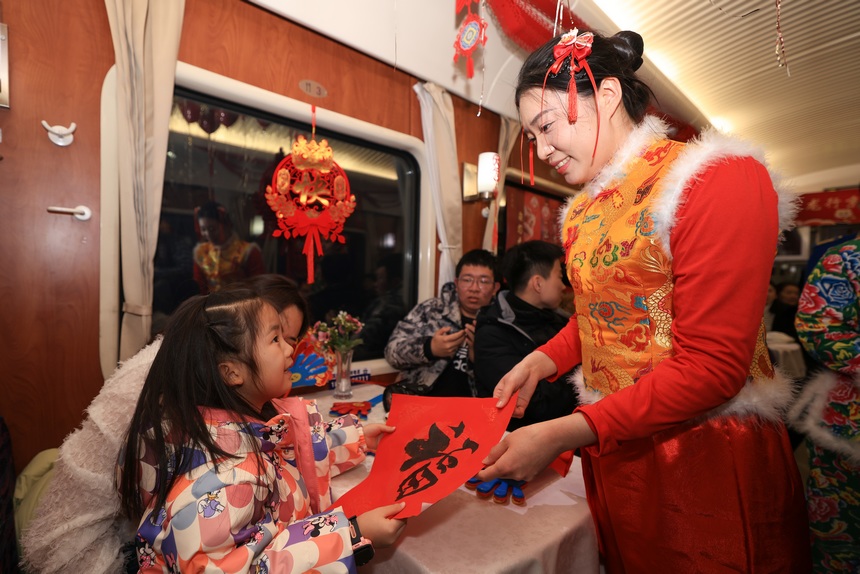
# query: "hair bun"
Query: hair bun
{"points": [[630, 47]]}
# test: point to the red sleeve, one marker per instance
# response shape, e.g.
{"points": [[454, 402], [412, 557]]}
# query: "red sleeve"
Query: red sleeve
{"points": [[723, 246], [564, 349]]}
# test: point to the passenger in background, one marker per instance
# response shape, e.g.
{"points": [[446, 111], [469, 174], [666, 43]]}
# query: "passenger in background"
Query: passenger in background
{"points": [[768, 314], [385, 310], [433, 345], [784, 308], [828, 409], [519, 321], [222, 257]]}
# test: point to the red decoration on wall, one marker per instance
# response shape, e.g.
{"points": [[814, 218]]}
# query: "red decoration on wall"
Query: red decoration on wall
{"points": [[530, 25], [836, 207], [472, 33], [310, 196]]}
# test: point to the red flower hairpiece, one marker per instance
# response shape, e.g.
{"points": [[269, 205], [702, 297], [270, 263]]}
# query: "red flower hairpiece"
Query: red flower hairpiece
{"points": [[577, 47]]}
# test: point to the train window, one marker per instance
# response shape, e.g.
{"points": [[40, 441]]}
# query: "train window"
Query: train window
{"points": [[225, 141]]}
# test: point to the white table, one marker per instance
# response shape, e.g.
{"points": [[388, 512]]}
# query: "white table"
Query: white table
{"points": [[553, 532], [787, 354]]}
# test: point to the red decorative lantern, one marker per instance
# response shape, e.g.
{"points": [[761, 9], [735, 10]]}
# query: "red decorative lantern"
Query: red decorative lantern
{"points": [[473, 33], [310, 196]]}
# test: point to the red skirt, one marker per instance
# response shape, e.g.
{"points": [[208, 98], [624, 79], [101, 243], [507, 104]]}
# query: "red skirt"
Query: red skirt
{"points": [[722, 495]]}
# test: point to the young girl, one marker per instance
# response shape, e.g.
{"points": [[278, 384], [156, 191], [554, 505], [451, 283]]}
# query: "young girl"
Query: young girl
{"points": [[221, 472]]}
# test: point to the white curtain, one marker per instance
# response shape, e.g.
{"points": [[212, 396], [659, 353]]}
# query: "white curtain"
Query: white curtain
{"points": [[146, 43], [437, 120], [508, 133]]}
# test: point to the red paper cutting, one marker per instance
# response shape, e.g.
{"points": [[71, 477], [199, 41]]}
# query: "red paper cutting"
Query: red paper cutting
{"points": [[438, 445]]}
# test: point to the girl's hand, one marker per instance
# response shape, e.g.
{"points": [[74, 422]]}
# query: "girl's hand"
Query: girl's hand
{"points": [[374, 432], [381, 530]]}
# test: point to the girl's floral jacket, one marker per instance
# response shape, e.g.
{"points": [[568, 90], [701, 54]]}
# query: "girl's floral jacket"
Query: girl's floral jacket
{"points": [[254, 515]]}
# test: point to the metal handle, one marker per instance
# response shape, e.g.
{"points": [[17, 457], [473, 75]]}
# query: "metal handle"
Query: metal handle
{"points": [[81, 212]]}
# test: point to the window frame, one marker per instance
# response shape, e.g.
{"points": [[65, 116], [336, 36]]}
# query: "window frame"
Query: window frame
{"points": [[206, 82]]}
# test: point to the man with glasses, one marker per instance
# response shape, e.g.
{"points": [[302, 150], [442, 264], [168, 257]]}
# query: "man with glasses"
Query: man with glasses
{"points": [[433, 346]]}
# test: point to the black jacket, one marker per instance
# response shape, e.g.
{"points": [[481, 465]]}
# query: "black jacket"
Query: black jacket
{"points": [[505, 332]]}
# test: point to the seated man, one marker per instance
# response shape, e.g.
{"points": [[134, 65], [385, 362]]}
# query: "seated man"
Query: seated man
{"points": [[521, 320], [432, 345]]}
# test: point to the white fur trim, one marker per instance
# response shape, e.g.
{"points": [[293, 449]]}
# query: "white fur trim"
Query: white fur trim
{"points": [[646, 133], [808, 412], [710, 148], [766, 398]]}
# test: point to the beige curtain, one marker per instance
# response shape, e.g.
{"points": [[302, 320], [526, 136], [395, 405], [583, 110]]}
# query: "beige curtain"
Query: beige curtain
{"points": [[146, 42], [437, 120], [509, 131]]}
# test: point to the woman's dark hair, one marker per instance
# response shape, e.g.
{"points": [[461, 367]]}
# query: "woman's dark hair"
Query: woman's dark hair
{"points": [[618, 57], [282, 292], [205, 331], [215, 211], [525, 260]]}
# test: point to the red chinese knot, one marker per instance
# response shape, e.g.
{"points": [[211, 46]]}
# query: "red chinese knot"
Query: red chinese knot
{"points": [[310, 196]]}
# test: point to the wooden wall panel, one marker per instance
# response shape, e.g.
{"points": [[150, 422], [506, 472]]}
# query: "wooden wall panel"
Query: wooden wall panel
{"points": [[59, 53], [247, 43]]}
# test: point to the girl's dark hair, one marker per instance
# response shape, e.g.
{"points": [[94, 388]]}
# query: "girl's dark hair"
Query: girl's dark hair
{"points": [[618, 56], [282, 292], [203, 332]]}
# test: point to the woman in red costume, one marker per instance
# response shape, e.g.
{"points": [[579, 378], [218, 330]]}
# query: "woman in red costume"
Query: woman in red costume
{"points": [[222, 257], [669, 248]]}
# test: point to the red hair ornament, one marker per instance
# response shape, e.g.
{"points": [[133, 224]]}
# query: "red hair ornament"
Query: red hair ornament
{"points": [[577, 47], [310, 196]]}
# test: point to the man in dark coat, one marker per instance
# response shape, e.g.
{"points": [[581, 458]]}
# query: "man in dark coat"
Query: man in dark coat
{"points": [[520, 320]]}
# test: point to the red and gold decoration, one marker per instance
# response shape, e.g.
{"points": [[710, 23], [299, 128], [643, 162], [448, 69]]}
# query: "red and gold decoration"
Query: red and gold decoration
{"points": [[310, 196], [836, 207], [472, 33]]}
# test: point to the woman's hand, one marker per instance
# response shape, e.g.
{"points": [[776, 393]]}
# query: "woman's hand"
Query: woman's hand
{"points": [[373, 432], [381, 530], [524, 377], [528, 450]]}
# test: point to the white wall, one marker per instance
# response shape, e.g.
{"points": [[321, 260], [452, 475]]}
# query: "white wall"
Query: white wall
{"points": [[417, 36]]}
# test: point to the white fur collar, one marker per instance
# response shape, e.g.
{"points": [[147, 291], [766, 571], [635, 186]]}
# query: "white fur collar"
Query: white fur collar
{"points": [[808, 415], [766, 398], [709, 148]]}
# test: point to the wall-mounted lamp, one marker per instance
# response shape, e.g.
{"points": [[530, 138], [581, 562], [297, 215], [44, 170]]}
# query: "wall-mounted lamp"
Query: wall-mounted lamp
{"points": [[481, 181], [489, 165]]}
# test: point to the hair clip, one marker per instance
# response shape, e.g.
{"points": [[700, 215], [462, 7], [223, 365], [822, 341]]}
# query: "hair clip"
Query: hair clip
{"points": [[577, 47]]}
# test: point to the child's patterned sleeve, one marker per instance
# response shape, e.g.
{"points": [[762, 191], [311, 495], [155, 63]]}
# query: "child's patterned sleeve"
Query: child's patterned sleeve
{"points": [[827, 315], [346, 443], [217, 531]]}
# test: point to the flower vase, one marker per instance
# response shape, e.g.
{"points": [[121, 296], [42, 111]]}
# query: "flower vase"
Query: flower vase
{"points": [[342, 366]]}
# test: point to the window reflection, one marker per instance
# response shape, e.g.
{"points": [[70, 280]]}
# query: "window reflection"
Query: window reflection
{"points": [[220, 159]]}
